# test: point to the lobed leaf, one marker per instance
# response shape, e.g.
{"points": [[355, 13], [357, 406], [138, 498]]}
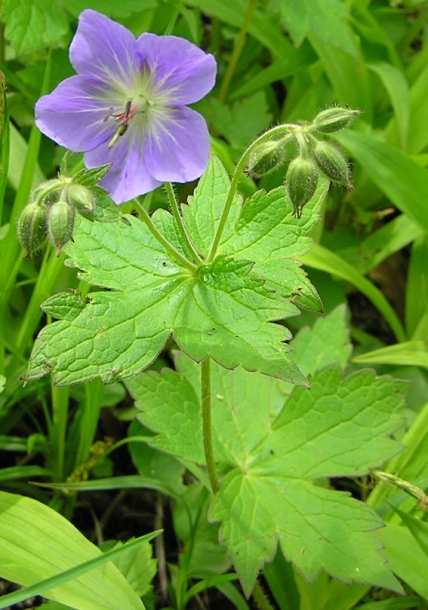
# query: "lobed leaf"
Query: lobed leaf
{"points": [[341, 427], [226, 309]]}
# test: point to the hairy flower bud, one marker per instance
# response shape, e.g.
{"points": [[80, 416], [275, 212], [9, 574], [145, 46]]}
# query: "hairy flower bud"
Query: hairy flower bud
{"points": [[334, 119], [301, 181], [80, 198], [332, 163], [266, 158], [32, 230], [60, 224]]}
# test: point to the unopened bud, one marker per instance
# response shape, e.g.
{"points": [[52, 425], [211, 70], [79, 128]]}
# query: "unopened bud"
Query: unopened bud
{"points": [[334, 119], [80, 198], [266, 158], [32, 230], [332, 163], [301, 181], [60, 223]]}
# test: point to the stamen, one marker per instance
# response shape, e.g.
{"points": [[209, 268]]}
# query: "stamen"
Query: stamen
{"points": [[124, 117], [122, 130]]}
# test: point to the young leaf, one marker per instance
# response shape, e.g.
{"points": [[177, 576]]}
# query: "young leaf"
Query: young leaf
{"points": [[338, 428]]}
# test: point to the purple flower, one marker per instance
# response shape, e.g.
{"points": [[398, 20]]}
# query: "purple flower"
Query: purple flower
{"points": [[127, 106]]}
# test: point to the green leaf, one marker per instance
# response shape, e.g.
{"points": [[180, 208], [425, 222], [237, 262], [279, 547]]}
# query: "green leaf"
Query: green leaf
{"points": [[164, 469], [340, 427], [225, 309], [260, 27], [137, 566], [241, 123], [400, 178], [326, 260], [335, 430], [295, 60], [204, 557], [268, 233], [327, 18], [418, 528], [112, 8], [409, 353], [327, 342], [37, 543], [417, 136], [406, 557], [203, 213], [398, 91], [32, 25]]}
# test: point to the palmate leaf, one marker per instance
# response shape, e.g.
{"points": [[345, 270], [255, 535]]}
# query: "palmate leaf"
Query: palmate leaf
{"points": [[274, 454], [225, 310]]}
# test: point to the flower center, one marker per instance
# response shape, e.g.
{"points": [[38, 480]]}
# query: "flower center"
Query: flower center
{"points": [[144, 95]]}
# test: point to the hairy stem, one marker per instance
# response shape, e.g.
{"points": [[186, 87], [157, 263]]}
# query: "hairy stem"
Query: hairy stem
{"points": [[206, 423], [179, 222], [281, 131], [161, 239], [260, 598]]}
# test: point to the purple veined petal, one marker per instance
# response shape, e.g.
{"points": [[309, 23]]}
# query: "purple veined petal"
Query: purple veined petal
{"points": [[178, 147], [179, 66], [128, 176], [73, 114], [103, 48]]}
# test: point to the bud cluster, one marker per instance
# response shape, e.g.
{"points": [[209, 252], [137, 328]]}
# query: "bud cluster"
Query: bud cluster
{"points": [[51, 214], [314, 155]]}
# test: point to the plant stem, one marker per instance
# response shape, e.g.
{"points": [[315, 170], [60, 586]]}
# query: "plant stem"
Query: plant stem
{"points": [[179, 222], [206, 423], [237, 50], [161, 239], [260, 598], [60, 406], [276, 132]]}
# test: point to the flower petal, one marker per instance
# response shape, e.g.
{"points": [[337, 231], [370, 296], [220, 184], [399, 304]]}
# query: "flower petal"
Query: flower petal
{"points": [[103, 48], [128, 176], [178, 147], [181, 69], [73, 114]]}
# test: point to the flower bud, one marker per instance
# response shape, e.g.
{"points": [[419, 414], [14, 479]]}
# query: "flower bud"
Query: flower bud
{"points": [[332, 163], [60, 224], [266, 158], [80, 198], [32, 230], [301, 181], [334, 119]]}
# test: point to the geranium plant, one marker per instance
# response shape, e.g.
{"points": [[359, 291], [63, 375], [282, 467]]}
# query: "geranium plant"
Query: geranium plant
{"points": [[261, 420]]}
